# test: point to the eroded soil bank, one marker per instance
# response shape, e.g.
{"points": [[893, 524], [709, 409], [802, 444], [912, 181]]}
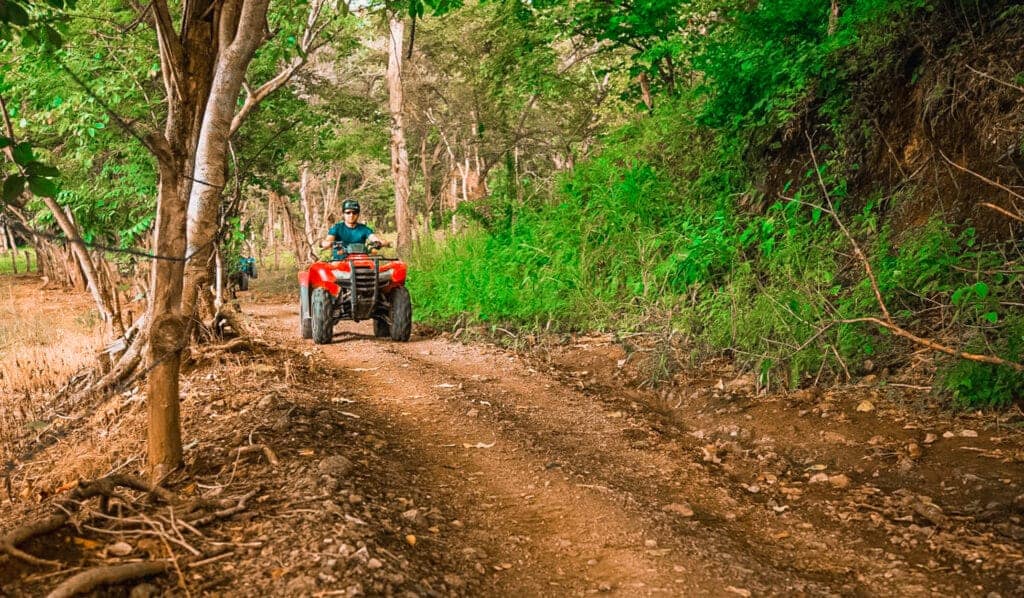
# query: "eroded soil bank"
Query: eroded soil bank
{"points": [[445, 468]]}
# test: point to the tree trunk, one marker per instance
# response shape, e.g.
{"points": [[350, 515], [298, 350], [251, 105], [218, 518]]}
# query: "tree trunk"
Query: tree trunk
{"points": [[166, 326], [399, 155], [308, 206], [833, 17], [212, 150], [186, 65]]}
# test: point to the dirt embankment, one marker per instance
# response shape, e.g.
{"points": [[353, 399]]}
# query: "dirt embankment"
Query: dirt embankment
{"points": [[442, 468]]}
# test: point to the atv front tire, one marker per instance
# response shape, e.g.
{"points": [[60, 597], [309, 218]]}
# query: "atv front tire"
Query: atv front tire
{"points": [[305, 322], [243, 282], [320, 310], [381, 328], [401, 314]]}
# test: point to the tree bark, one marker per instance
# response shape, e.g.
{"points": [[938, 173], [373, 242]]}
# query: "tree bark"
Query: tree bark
{"points": [[399, 154], [241, 32]]}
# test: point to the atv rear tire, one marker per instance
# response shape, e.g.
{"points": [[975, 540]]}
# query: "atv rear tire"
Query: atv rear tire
{"points": [[243, 282], [381, 328], [401, 314], [305, 323], [320, 312]]}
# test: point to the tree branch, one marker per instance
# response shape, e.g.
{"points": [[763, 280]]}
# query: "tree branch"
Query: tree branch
{"points": [[172, 57], [846, 233], [935, 346], [980, 176], [307, 47]]}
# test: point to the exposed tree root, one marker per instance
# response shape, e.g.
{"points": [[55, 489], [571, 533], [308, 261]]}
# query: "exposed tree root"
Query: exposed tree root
{"points": [[9, 542], [93, 578], [223, 513], [103, 487], [183, 516], [235, 345], [259, 448]]}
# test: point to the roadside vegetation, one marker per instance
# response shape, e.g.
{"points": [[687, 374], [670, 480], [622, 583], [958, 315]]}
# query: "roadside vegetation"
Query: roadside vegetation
{"points": [[717, 219]]}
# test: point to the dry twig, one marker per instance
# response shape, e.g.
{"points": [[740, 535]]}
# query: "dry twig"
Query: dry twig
{"points": [[995, 184], [224, 513], [846, 233]]}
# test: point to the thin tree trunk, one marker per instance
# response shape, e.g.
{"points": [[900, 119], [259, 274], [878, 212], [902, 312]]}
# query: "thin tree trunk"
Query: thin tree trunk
{"points": [[86, 266], [645, 91], [399, 154], [14, 249], [309, 209]]}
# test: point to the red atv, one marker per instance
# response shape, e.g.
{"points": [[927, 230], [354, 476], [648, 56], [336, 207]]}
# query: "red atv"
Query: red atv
{"points": [[361, 286]]}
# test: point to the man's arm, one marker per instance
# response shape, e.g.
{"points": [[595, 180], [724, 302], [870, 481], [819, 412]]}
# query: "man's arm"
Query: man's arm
{"points": [[328, 242]]}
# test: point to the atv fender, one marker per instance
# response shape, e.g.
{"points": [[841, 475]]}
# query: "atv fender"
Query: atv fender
{"points": [[319, 275]]}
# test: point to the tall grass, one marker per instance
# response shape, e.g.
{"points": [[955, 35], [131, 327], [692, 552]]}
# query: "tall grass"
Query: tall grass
{"points": [[45, 338]]}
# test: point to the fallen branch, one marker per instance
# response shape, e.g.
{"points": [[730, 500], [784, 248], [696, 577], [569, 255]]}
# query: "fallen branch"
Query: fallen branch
{"points": [[935, 346], [887, 322], [991, 78], [1002, 211], [981, 176], [93, 578], [846, 233]]}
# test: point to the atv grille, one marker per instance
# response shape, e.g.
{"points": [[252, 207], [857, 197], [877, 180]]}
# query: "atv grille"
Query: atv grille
{"points": [[365, 281]]}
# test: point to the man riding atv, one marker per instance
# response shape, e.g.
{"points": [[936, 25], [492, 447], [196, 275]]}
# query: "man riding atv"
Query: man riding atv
{"points": [[350, 231], [356, 284]]}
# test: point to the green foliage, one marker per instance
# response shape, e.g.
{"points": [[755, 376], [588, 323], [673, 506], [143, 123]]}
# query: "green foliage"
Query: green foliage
{"points": [[974, 385], [760, 65], [670, 217]]}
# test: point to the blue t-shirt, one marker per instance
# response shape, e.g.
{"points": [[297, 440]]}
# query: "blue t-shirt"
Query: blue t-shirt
{"points": [[343, 234]]}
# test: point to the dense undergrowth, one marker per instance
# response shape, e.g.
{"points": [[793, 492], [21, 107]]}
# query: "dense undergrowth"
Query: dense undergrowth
{"points": [[709, 220]]}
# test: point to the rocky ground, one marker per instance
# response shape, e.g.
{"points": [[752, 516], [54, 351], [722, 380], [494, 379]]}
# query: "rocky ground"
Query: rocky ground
{"points": [[448, 467]]}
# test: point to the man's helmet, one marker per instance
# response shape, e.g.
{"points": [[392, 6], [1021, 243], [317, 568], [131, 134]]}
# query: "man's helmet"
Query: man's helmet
{"points": [[350, 204]]}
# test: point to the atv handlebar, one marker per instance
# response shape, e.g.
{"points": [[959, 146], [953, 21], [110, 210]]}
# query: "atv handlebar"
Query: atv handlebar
{"points": [[347, 248]]}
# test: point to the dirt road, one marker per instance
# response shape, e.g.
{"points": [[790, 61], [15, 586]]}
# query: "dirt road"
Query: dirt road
{"points": [[438, 467], [551, 482]]}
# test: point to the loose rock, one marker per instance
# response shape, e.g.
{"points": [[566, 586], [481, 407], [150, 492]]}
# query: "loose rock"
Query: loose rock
{"points": [[335, 466], [681, 509]]}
